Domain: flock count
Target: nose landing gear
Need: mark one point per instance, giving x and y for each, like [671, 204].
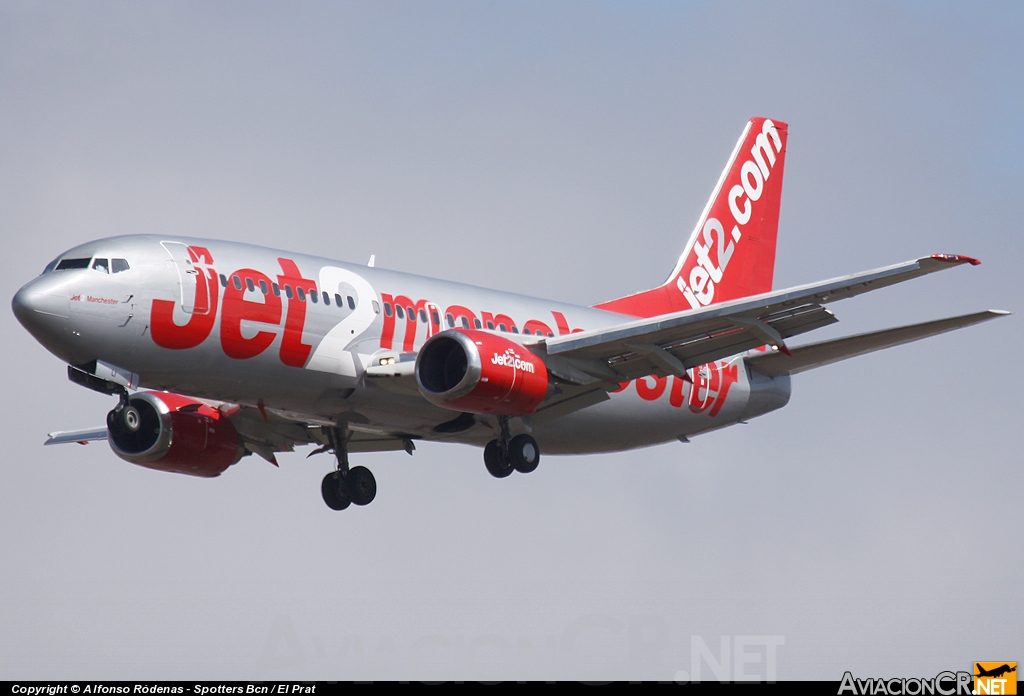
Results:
[345, 486]
[507, 454]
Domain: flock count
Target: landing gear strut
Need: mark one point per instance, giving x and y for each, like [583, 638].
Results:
[345, 486]
[507, 454]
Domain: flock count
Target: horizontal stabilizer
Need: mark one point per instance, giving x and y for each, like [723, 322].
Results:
[819, 354]
[81, 436]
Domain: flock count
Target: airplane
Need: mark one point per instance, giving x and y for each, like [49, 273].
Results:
[218, 350]
[995, 672]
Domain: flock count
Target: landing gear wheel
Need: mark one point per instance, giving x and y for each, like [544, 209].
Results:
[523, 453]
[495, 463]
[334, 491]
[361, 485]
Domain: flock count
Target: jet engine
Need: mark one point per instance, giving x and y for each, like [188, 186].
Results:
[478, 372]
[169, 432]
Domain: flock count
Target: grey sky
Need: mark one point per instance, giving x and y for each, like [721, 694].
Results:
[562, 150]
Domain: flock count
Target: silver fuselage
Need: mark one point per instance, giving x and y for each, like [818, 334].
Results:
[307, 360]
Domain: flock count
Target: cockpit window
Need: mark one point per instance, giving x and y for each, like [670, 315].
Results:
[50, 266]
[101, 265]
[118, 265]
[72, 264]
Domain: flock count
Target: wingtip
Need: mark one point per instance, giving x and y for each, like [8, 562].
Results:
[956, 258]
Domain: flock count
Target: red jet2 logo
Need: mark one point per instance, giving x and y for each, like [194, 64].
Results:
[706, 390]
[700, 269]
[234, 309]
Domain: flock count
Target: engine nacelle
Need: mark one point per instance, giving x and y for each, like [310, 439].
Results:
[174, 433]
[478, 372]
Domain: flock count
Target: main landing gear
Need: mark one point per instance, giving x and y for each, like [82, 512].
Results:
[345, 486]
[508, 454]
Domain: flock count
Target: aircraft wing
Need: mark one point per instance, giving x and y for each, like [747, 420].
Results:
[819, 354]
[673, 343]
[80, 436]
[267, 432]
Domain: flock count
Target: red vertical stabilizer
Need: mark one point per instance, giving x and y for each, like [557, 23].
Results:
[731, 253]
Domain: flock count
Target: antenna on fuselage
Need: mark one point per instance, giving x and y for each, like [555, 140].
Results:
[373, 259]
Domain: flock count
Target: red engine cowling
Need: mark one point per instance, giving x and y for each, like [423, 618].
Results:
[479, 372]
[174, 433]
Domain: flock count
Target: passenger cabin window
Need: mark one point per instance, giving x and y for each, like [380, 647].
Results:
[478, 325]
[337, 300]
[263, 287]
[237, 282]
[276, 288]
[327, 299]
[376, 307]
[249, 284]
[387, 309]
[302, 293]
[101, 265]
[223, 280]
[352, 304]
[451, 321]
[465, 322]
[120, 266]
[399, 311]
[288, 291]
[72, 264]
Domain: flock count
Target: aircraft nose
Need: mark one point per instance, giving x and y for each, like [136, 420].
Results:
[21, 305]
[44, 314]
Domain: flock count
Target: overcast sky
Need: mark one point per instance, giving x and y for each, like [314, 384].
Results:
[563, 150]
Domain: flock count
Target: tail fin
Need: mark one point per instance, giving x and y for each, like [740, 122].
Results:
[731, 253]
